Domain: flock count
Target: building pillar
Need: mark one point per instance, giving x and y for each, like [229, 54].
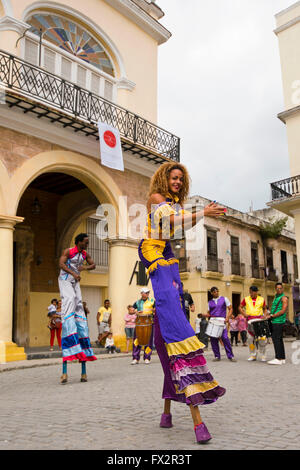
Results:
[8, 350]
[123, 288]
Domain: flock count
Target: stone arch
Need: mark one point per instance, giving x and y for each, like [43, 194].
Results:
[90, 25]
[86, 169]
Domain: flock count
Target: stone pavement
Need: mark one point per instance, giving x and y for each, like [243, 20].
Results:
[120, 406]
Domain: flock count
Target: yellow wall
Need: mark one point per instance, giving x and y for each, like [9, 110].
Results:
[137, 49]
[39, 333]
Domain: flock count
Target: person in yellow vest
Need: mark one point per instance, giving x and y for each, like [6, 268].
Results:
[254, 306]
[104, 321]
[144, 305]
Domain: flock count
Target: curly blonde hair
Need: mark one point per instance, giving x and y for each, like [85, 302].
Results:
[160, 181]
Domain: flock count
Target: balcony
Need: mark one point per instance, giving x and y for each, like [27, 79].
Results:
[286, 188]
[34, 90]
[215, 264]
[257, 272]
[271, 274]
[286, 195]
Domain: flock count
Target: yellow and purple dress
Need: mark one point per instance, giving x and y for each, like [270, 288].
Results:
[187, 378]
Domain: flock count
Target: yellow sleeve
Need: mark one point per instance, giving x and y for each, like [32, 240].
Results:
[164, 210]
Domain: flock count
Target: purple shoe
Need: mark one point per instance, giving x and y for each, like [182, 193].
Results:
[166, 421]
[202, 434]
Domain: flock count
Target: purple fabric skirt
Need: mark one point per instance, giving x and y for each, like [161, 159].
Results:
[187, 378]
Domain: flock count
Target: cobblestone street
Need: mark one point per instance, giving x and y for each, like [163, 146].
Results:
[120, 406]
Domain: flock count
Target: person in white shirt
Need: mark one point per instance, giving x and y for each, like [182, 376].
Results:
[220, 307]
[110, 344]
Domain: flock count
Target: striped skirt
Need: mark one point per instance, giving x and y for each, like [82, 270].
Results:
[75, 341]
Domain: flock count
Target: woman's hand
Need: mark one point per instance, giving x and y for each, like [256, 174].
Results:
[214, 210]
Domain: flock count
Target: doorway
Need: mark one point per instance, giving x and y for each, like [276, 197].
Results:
[236, 300]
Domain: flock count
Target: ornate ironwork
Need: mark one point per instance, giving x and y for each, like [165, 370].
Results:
[286, 188]
[48, 89]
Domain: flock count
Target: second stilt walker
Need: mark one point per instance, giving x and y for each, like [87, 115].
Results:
[75, 343]
[187, 378]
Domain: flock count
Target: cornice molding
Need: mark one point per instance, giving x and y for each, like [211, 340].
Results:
[284, 115]
[142, 19]
[287, 25]
[125, 84]
[8, 23]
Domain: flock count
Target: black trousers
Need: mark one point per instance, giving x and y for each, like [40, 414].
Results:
[234, 336]
[277, 338]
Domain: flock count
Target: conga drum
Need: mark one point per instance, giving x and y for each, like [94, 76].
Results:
[143, 328]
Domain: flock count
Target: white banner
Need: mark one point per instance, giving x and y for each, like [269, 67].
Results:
[110, 146]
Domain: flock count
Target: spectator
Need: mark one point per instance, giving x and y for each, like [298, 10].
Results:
[55, 324]
[188, 303]
[110, 344]
[86, 310]
[130, 319]
[242, 326]
[52, 307]
[104, 321]
[201, 325]
[278, 318]
[234, 329]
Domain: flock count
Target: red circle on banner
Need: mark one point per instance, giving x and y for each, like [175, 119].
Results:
[110, 139]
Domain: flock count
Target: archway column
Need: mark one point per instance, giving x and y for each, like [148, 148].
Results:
[123, 255]
[8, 350]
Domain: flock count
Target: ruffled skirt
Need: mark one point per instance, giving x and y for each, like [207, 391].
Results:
[187, 378]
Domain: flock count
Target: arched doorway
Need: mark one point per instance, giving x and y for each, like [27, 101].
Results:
[54, 206]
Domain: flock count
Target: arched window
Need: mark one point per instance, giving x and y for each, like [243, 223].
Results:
[70, 51]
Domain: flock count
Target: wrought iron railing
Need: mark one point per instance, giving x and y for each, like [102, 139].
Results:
[257, 272]
[44, 87]
[288, 187]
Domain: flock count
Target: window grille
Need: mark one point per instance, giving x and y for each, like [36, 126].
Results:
[98, 248]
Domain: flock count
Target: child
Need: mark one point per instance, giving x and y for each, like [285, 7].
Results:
[110, 344]
[233, 328]
[51, 311]
[242, 326]
[130, 319]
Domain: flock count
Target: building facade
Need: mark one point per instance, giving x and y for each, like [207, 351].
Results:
[232, 255]
[286, 192]
[63, 67]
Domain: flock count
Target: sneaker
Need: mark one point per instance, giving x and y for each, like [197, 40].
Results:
[166, 420]
[202, 434]
[147, 361]
[232, 359]
[252, 358]
[275, 362]
[263, 359]
[134, 362]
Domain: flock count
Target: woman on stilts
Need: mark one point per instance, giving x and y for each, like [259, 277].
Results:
[75, 341]
[187, 378]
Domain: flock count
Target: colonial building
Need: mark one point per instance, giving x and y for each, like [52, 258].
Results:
[232, 254]
[286, 192]
[63, 67]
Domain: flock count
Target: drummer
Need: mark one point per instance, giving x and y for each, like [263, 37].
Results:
[220, 307]
[253, 307]
[144, 305]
